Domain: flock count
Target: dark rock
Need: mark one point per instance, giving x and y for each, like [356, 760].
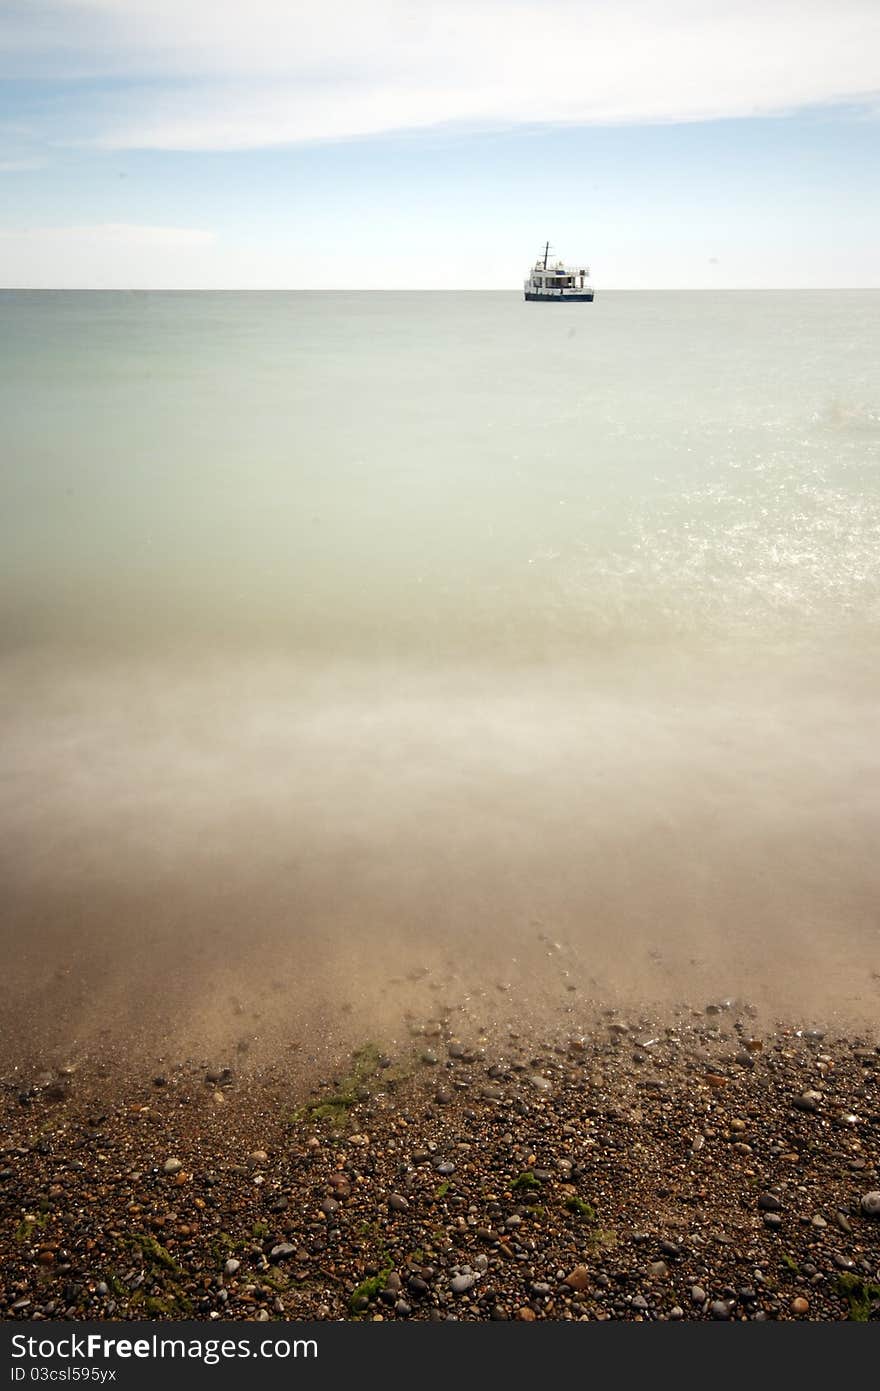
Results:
[807, 1101]
[768, 1202]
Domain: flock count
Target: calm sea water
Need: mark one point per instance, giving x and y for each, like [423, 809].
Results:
[439, 473]
[343, 633]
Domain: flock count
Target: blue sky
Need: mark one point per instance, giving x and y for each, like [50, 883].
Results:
[437, 146]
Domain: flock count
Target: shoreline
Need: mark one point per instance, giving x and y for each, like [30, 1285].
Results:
[692, 1166]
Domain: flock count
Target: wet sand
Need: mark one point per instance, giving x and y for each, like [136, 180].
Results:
[605, 926]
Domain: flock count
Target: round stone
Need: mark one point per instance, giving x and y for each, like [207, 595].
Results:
[871, 1204]
[808, 1101]
[768, 1202]
[172, 1166]
[460, 1284]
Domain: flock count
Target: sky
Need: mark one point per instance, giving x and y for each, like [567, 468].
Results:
[379, 144]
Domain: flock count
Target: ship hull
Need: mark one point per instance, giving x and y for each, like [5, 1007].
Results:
[585, 298]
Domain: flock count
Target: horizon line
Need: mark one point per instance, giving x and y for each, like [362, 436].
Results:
[420, 289]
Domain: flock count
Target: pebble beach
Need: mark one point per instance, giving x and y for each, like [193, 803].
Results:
[696, 1165]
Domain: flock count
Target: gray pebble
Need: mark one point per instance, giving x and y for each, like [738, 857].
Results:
[460, 1284]
[871, 1204]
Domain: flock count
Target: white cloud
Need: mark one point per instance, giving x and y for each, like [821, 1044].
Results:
[273, 72]
[108, 255]
[20, 166]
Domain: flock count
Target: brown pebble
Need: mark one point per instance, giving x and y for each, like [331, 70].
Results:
[526, 1314]
[800, 1305]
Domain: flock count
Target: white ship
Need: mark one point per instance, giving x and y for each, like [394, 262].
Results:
[558, 284]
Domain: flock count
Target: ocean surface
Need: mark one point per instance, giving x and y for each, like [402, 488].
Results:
[347, 639]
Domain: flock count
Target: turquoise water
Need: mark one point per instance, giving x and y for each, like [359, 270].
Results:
[343, 635]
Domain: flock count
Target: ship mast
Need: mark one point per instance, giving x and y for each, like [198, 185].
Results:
[546, 254]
